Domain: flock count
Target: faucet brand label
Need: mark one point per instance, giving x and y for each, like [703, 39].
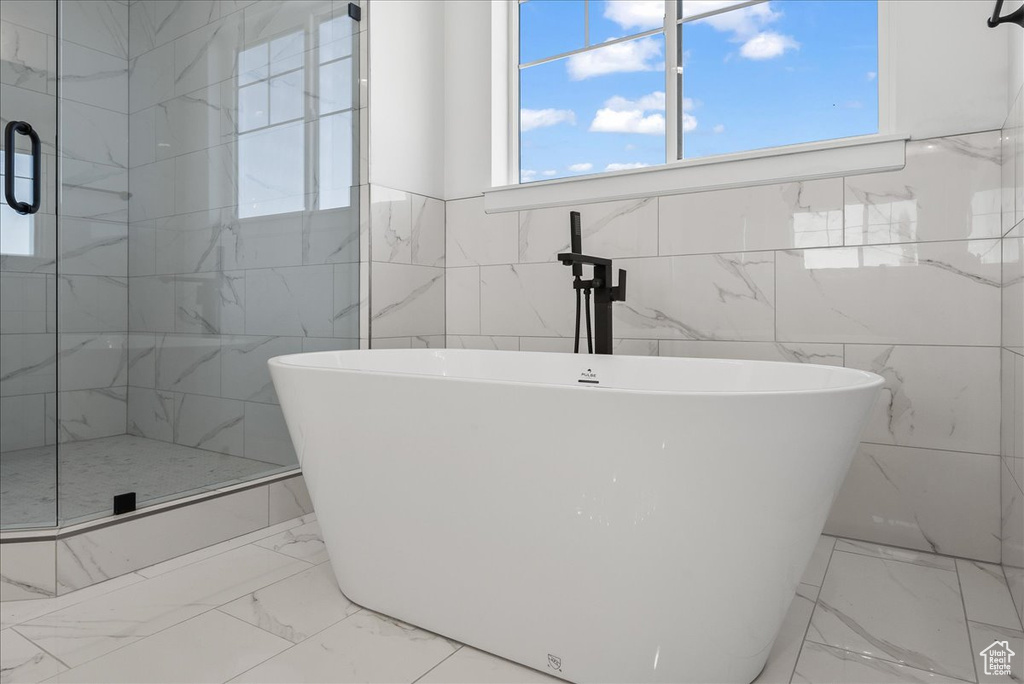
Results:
[589, 377]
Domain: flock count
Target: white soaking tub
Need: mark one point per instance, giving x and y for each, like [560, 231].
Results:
[598, 518]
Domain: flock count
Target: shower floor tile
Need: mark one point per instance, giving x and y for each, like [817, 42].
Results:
[93, 471]
[247, 611]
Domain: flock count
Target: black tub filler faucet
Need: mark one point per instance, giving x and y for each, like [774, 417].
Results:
[600, 283]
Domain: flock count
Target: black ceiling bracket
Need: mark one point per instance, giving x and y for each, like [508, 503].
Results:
[355, 12]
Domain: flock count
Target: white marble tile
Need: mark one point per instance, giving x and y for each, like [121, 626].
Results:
[197, 242]
[158, 22]
[28, 364]
[218, 647]
[27, 570]
[709, 297]
[93, 360]
[470, 666]
[23, 422]
[151, 413]
[266, 435]
[207, 55]
[263, 242]
[948, 190]
[205, 117]
[787, 216]
[390, 225]
[365, 647]
[210, 303]
[314, 344]
[407, 300]
[140, 610]
[635, 347]
[107, 552]
[462, 300]
[986, 594]
[99, 24]
[814, 574]
[331, 236]
[93, 303]
[826, 354]
[609, 229]
[906, 613]
[207, 552]
[297, 607]
[929, 560]
[23, 302]
[96, 191]
[350, 299]
[527, 299]
[244, 373]
[94, 247]
[92, 413]
[152, 192]
[94, 78]
[270, 18]
[826, 665]
[481, 342]
[188, 363]
[786, 648]
[93, 134]
[1008, 142]
[934, 397]
[289, 499]
[426, 342]
[23, 661]
[983, 636]
[473, 237]
[151, 305]
[142, 148]
[427, 231]
[558, 345]
[303, 542]
[864, 294]
[38, 16]
[210, 423]
[16, 612]
[937, 501]
[290, 301]
[27, 57]
[207, 179]
[1012, 525]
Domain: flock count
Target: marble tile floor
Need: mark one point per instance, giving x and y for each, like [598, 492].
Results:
[93, 471]
[265, 607]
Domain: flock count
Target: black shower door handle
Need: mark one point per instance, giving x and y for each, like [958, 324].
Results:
[23, 128]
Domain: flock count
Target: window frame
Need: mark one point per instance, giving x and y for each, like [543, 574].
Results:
[673, 140]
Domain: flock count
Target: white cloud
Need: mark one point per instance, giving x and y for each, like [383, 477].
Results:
[743, 23]
[689, 122]
[628, 121]
[719, 128]
[768, 45]
[630, 147]
[527, 175]
[872, 75]
[550, 172]
[636, 14]
[530, 119]
[580, 168]
[654, 101]
[624, 167]
[632, 55]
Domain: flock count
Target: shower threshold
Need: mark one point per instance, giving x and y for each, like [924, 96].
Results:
[91, 472]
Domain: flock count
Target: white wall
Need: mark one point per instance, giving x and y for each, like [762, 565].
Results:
[949, 77]
[407, 96]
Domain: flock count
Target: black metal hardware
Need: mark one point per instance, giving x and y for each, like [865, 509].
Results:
[124, 503]
[23, 128]
[1015, 17]
[355, 12]
[604, 292]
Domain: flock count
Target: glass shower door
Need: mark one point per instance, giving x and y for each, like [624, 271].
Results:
[28, 265]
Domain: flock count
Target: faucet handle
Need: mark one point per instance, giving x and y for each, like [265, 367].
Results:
[619, 291]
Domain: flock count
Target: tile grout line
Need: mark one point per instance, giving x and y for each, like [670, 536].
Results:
[461, 646]
[893, 662]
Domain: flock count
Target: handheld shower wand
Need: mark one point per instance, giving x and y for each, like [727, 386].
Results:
[576, 246]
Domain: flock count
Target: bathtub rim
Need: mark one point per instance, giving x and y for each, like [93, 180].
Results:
[869, 380]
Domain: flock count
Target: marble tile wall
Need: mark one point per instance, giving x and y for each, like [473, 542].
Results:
[243, 244]
[90, 293]
[898, 273]
[1012, 352]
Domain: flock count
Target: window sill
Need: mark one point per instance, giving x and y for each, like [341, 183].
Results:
[809, 161]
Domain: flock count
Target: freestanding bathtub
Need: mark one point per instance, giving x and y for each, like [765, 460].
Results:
[599, 518]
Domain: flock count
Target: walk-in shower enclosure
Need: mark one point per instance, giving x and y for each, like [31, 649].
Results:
[198, 214]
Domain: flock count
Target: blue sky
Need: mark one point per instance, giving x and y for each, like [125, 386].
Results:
[777, 73]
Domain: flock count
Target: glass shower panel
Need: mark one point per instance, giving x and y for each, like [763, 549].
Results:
[28, 270]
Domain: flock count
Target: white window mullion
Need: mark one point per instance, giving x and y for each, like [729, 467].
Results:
[513, 96]
[673, 142]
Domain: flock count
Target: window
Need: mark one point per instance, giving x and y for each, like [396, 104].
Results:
[17, 238]
[607, 85]
[293, 99]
